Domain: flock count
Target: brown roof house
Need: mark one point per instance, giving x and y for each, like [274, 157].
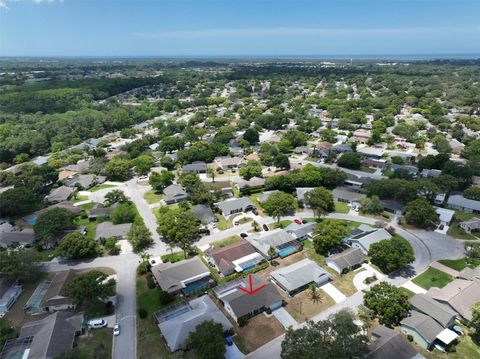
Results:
[54, 300]
[60, 194]
[188, 276]
[241, 304]
[47, 338]
[233, 258]
[349, 259]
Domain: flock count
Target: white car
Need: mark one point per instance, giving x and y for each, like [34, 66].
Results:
[116, 329]
[97, 323]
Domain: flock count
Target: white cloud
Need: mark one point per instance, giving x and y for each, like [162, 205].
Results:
[4, 3]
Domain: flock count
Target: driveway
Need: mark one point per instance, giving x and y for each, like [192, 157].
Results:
[333, 292]
[233, 352]
[413, 287]
[285, 318]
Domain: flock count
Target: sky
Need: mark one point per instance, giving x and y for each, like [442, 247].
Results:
[238, 28]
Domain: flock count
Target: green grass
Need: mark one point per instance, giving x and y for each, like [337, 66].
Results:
[459, 264]
[281, 224]
[173, 257]
[407, 292]
[341, 207]
[98, 345]
[222, 223]
[367, 169]
[90, 225]
[79, 198]
[227, 241]
[87, 206]
[432, 278]
[4, 335]
[464, 216]
[311, 254]
[44, 255]
[152, 196]
[457, 232]
[98, 187]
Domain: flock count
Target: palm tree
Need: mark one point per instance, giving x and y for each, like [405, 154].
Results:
[212, 172]
[271, 253]
[145, 256]
[315, 295]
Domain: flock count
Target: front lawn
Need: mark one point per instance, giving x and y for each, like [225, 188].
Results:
[98, 187]
[407, 292]
[96, 344]
[302, 307]
[227, 241]
[432, 278]
[367, 169]
[259, 331]
[79, 198]
[459, 264]
[457, 232]
[345, 282]
[464, 216]
[281, 224]
[341, 207]
[152, 196]
[222, 223]
[173, 257]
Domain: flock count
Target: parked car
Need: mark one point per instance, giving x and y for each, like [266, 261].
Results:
[265, 227]
[237, 222]
[457, 330]
[243, 235]
[304, 221]
[229, 340]
[97, 324]
[297, 221]
[116, 329]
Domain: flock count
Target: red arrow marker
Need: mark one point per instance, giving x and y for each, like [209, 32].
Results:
[251, 290]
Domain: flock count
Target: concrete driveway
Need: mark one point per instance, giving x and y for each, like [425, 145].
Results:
[333, 292]
[285, 318]
[233, 352]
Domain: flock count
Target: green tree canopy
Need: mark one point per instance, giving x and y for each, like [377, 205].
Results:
[387, 302]
[207, 341]
[89, 287]
[352, 160]
[51, 222]
[251, 169]
[118, 169]
[320, 200]
[22, 264]
[328, 234]
[161, 180]
[76, 246]
[279, 204]
[391, 254]
[421, 213]
[178, 226]
[139, 237]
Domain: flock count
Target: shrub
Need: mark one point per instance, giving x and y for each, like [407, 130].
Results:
[410, 337]
[143, 268]
[142, 313]
[242, 321]
[165, 297]
[150, 281]
[268, 311]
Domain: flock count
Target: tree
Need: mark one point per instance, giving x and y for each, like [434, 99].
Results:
[51, 222]
[123, 213]
[76, 246]
[328, 234]
[320, 200]
[207, 341]
[167, 162]
[352, 160]
[161, 180]
[90, 287]
[171, 143]
[139, 237]
[336, 337]
[391, 254]
[190, 181]
[279, 204]
[295, 138]
[251, 136]
[421, 213]
[472, 193]
[281, 161]
[271, 252]
[143, 164]
[118, 169]
[212, 172]
[251, 169]
[115, 196]
[371, 205]
[17, 201]
[22, 264]
[366, 315]
[315, 295]
[111, 246]
[178, 226]
[475, 321]
[388, 303]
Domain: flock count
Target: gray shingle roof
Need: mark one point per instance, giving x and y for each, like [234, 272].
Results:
[390, 344]
[300, 230]
[264, 240]
[348, 258]
[425, 326]
[233, 204]
[174, 192]
[458, 200]
[299, 274]
[60, 194]
[108, 229]
[440, 312]
[203, 214]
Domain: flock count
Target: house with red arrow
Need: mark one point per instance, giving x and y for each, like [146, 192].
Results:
[247, 297]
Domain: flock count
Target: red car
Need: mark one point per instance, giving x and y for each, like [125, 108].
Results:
[297, 221]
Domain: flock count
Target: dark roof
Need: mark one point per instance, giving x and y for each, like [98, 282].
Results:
[203, 214]
[224, 256]
[348, 258]
[392, 205]
[390, 344]
[26, 236]
[195, 167]
[54, 296]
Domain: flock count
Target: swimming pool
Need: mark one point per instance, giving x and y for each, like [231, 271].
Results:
[177, 313]
[32, 219]
[286, 251]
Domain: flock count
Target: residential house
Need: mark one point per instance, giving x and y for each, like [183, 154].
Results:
[301, 150]
[426, 332]
[234, 258]
[470, 273]
[10, 290]
[195, 167]
[393, 206]
[430, 173]
[265, 195]
[472, 225]
[346, 260]
[108, 229]
[69, 206]
[188, 276]
[54, 300]
[342, 148]
[204, 214]
[60, 194]
[441, 313]
[228, 163]
[301, 231]
[239, 303]
[445, 216]
[254, 182]
[47, 338]
[356, 182]
[364, 236]
[174, 194]
[12, 237]
[84, 182]
[371, 152]
[99, 210]
[412, 170]
[235, 205]
[298, 276]
[280, 240]
[82, 166]
[65, 175]
[300, 191]
[179, 320]
[457, 201]
[224, 186]
[346, 195]
[375, 163]
[388, 343]
[459, 294]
